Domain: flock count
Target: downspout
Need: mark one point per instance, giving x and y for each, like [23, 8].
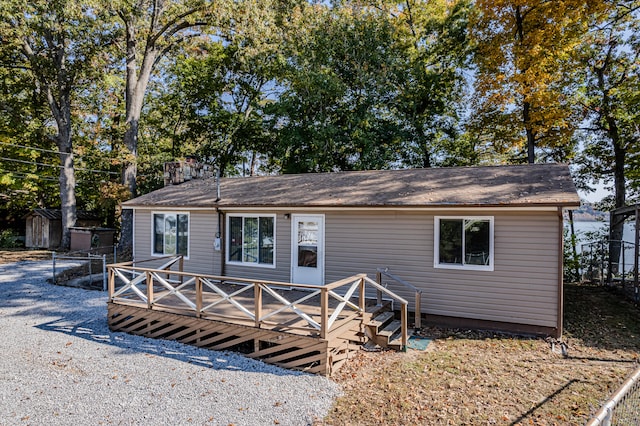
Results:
[560, 310]
[219, 235]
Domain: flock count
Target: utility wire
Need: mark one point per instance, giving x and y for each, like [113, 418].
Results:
[36, 149]
[33, 176]
[25, 176]
[78, 169]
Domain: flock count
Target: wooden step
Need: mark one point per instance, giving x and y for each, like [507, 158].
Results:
[395, 341]
[390, 329]
[379, 321]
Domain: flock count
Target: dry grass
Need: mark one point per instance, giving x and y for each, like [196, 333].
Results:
[17, 255]
[475, 378]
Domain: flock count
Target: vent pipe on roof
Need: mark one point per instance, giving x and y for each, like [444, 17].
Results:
[217, 184]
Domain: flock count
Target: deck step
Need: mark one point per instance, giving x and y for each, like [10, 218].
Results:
[395, 341]
[376, 309]
[390, 329]
[379, 321]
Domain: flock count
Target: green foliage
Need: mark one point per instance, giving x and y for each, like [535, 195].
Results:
[571, 262]
[610, 101]
[10, 239]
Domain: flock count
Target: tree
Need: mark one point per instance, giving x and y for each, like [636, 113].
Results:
[55, 42]
[434, 39]
[610, 102]
[337, 109]
[218, 89]
[525, 78]
[152, 28]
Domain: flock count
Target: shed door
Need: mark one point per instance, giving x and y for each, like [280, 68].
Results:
[307, 249]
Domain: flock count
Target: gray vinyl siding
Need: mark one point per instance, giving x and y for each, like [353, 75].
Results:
[282, 270]
[522, 288]
[202, 230]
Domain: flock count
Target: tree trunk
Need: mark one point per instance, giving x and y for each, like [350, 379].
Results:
[616, 227]
[526, 105]
[62, 115]
[531, 137]
[67, 187]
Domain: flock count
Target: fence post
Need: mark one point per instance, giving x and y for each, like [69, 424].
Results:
[324, 312]
[104, 272]
[198, 297]
[149, 289]
[90, 272]
[403, 320]
[378, 292]
[112, 283]
[418, 314]
[53, 258]
[257, 300]
[361, 297]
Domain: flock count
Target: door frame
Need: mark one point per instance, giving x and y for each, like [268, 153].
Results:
[295, 218]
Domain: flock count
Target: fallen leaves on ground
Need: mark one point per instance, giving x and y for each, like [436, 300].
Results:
[471, 378]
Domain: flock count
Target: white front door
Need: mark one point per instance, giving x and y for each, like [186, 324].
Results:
[307, 249]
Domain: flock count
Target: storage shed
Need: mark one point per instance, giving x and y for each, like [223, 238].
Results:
[44, 227]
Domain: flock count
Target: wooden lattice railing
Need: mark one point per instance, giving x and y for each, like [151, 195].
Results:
[316, 311]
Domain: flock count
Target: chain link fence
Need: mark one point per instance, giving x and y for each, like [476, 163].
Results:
[623, 408]
[91, 268]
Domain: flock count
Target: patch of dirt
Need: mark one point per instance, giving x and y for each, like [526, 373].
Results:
[11, 256]
[476, 378]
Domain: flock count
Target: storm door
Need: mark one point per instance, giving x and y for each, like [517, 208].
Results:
[307, 249]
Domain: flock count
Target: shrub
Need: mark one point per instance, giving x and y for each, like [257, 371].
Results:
[9, 239]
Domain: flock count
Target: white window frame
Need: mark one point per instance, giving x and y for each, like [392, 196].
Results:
[228, 240]
[466, 267]
[153, 234]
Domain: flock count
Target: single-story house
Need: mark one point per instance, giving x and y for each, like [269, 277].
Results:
[44, 227]
[483, 243]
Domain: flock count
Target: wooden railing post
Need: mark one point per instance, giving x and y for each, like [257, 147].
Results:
[418, 320]
[324, 313]
[149, 289]
[361, 297]
[111, 283]
[257, 310]
[198, 297]
[378, 292]
[403, 321]
[181, 268]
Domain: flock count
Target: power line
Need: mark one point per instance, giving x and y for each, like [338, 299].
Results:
[25, 176]
[51, 165]
[36, 149]
[78, 169]
[32, 176]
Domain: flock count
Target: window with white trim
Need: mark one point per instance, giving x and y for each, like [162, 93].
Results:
[251, 240]
[171, 234]
[463, 243]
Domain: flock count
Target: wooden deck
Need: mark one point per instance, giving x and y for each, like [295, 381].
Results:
[304, 327]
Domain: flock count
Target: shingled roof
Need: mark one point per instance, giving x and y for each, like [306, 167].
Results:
[521, 185]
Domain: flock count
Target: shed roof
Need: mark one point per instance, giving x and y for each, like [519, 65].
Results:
[521, 185]
[53, 214]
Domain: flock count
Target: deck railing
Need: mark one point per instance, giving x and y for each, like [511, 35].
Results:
[416, 291]
[317, 310]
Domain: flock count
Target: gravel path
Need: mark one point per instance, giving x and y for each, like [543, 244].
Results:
[60, 365]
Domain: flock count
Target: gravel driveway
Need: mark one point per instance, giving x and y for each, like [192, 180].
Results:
[60, 365]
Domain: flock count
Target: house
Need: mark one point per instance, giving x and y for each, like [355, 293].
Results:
[484, 244]
[44, 227]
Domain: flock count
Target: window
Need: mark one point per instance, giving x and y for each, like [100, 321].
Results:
[171, 234]
[464, 243]
[251, 240]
